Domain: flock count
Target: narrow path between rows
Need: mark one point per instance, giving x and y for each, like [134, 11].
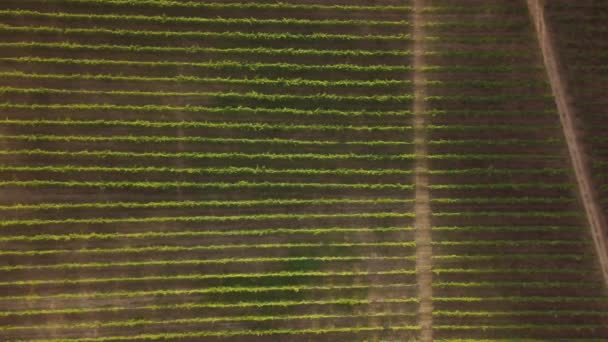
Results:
[595, 216]
[422, 206]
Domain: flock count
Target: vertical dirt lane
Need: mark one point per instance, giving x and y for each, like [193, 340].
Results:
[422, 207]
[596, 219]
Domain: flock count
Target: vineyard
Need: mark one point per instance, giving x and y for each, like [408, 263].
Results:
[307, 170]
[582, 53]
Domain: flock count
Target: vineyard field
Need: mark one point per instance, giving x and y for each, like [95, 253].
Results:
[306, 170]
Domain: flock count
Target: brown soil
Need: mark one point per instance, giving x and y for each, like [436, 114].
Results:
[588, 194]
[422, 207]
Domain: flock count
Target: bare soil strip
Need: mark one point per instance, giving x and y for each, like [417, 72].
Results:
[593, 210]
[422, 206]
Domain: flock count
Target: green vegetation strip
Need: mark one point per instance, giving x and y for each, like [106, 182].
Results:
[194, 50]
[517, 284]
[226, 171]
[216, 319]
[233, 333]
[499, 200]
[298, 156]
[198, 262]
[164, 139]
[184, 219]
[224, 36]
[255, 21]
[309, 202]
[188, 5]
[259, 126]
[525, 299]
[505, 186]
[161, 139]
[490, 113]
[501, 171]
[258, 81]
[201, 233]
[539, 228]
[526, 213]
[568, 339]
[489, 98]
[208, 155]
[162, 248]
[287, 22]
[519, 313]
[252, 95]
[251, 126]
[512, 243]
[172, 185]
[535, 327]
[236, 66]
[212, 305]
[486, 84]
[277, 82]
[447, 7]
[198, 276]
[224, 66]
[495, 127]
[262, 170]
[250, 111]
[473, 40]
[296, 274]
[267, 51]
[217, 21]
[257, 36]
[228, 111]
[512, 270]
[277, 202]
[501, 142]
[511, 257]
[208, 290]
[204, 204]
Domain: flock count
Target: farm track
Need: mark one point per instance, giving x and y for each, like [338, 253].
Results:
[307, 170]
[572, 107]
[422, 208]
[453, 298]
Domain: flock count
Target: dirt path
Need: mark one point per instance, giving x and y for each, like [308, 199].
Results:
[594, 213]
[422, 207]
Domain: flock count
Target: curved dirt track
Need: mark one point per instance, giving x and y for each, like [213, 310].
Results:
[594, 213]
